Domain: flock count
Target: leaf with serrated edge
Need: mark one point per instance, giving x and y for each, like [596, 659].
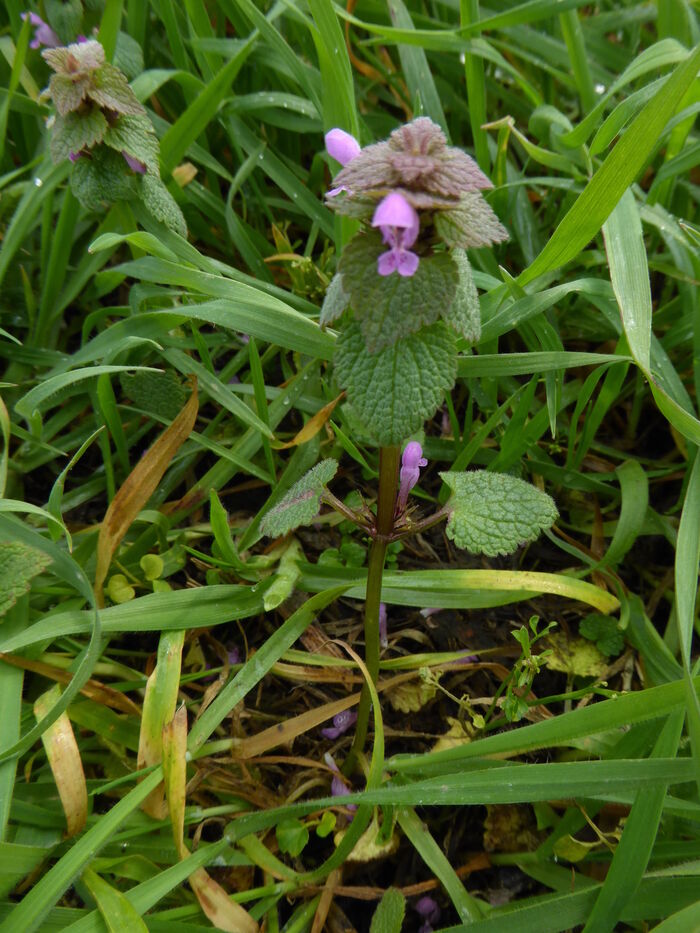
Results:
[76, 131]
[472, 224]
[162, 204]
[134, 133]
[395, 391]
[103, 178]
[390, 307]
[335, 302]
[301, 504]
[67, 93]
[18, 565]
[109, 88]
[464, 314]
[78, 58]
[493, 513]
[388, 917]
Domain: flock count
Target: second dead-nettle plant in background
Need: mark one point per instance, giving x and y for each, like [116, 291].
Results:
[103, 129]
[402, 299]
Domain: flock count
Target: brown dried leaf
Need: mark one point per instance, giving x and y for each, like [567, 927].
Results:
[138, 488]
[312, 426]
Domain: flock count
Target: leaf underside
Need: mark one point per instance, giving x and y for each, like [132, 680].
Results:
[301, 504]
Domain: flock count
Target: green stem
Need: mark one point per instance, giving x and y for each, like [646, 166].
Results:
[386, 503]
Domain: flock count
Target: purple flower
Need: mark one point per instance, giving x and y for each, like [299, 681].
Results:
[342, 147]
[411, 462]
[74, 156]
[429, 910]
[233, 655]
[43, 33]
[338, 786]
[341, 724]
[430, 611]
[399, 224]
[383, 636]
[136, 165]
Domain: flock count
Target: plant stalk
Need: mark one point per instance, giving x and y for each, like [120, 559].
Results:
[386, 504]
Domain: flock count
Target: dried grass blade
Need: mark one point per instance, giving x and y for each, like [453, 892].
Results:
[64, 760]
[138, 488]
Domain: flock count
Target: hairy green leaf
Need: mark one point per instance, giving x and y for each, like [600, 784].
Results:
[19, 563]
[604, 632]
[301, 504]
[67, 93]
[76, 131]
[161, 393]
[464, 314]
[103, 178]
[134, 133]
[396, 390]
[109, 88]
[493, 513]
[335, 302]
[162, 204]
[388, 917]
[472, 224]
[390, 307]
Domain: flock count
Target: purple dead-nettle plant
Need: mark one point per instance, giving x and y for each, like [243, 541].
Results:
[103, 129]
[404, 304]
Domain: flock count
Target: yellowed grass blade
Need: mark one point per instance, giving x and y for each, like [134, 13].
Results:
[158, 709]
[224, 913]
[138, 488]
[64, 760]
[312, 426]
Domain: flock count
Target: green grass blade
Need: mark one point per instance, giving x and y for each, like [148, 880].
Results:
[466, 906]
[633, 851]
[417, 70]
[619, 170]
[629, 275]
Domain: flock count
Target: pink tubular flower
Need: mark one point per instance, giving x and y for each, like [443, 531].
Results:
[341, 724]
[338, 786]
[43, 33]
[136, 165]
[342, 146]
[399, 225]
[411, 462]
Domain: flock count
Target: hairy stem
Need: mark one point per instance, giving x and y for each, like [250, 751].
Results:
[386, 503]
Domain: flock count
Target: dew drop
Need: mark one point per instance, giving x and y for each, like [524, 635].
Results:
[600, 89]
[38, 182]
